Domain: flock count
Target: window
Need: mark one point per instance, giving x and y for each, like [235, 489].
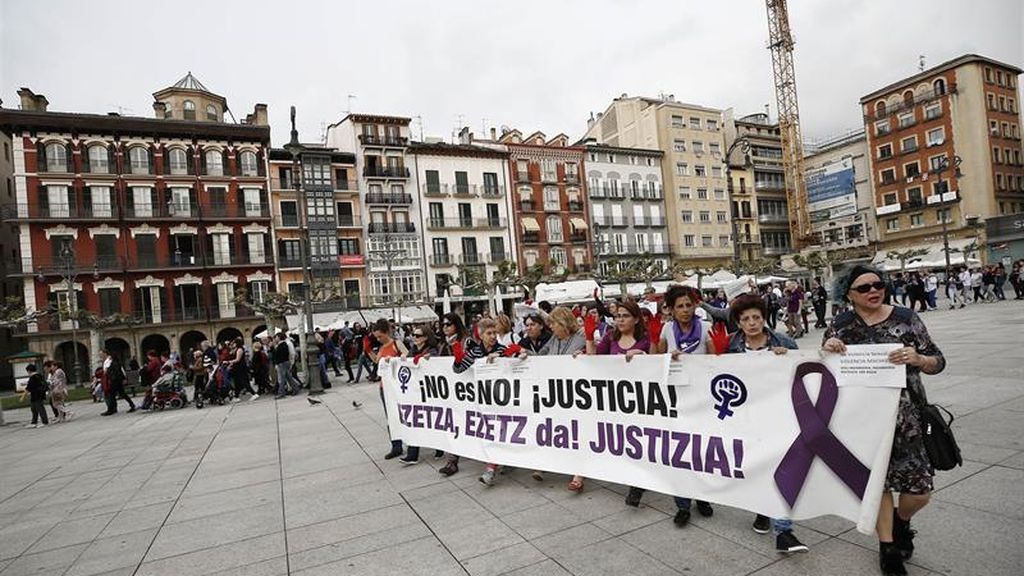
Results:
[558, 258]
[551, 200]
[700, 170]
[98, 160]
[943, 215]
[211, 112]
[719, 194]
[705, 217]
[712, 124]
[684, 192]
[247, 161]
[679, 145]
[880, 109]
[110, 301]
[888, 176]
[715, 148]
[908, 144]
[1002, 103]
[991, 98]
[916, 220]
[939, 86]
[934, 163]
[936, 137]
[177, 161]
[189, 108]
[641, 243]
[705, 241]
[911, 170]
[723, 240]
[682, 169]
[906, 119]
[881, 127]
[289, 213]
[933, 110]
[214, 163]
[914, 196]
[548, 170]
[688, 240]
[999, 181]
[694, 123]
[988, 75]
[677, 122]
[687, 216]
[716, 171]
[721, 217]
[554, 227]
[892, 225]
[702, 193]
[56, 158]
[698, 147]
[139, 157]
[889, 199]
[995, 155]
[885, 151]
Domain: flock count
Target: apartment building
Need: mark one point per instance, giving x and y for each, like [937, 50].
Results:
[837, 168]
[965, 110]
[627, 204]
[157, 219]
[465, 217]
[691, 140]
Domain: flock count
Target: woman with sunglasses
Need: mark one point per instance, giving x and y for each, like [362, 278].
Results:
[910, 473]
[749, 312]
[454, 338]
[488, 347]
[424, 345]
[685, 334]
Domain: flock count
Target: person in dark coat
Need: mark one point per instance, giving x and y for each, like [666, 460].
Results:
[36, 391]
[113, 383]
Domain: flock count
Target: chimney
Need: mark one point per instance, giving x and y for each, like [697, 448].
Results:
[160, 109]
[259, 115]
[494, 134]
[31, 101]
[464, 136]
[590, 121]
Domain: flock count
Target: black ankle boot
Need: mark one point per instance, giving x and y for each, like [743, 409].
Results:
[889, 560]
[902, 535]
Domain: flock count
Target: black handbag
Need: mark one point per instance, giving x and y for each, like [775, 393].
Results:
[939, 442]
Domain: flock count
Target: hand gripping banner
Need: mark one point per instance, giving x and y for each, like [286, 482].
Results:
[793, 436]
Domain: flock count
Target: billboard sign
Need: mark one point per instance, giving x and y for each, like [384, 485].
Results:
[831, 192]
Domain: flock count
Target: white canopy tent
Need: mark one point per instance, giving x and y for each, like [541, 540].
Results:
[935, 258]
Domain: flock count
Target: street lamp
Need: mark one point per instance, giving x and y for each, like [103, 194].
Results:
[311, 357]
[69, 275]
[943, 165]
[744, 145]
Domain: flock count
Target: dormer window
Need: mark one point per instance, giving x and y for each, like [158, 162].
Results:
[189, 108]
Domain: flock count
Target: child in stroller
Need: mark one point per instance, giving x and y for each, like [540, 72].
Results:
[169, 389]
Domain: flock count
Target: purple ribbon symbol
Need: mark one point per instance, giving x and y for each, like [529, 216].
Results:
[816, 439]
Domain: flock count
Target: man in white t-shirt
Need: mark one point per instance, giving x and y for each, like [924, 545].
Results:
[931, 286]
[965, 286]
[976, 282]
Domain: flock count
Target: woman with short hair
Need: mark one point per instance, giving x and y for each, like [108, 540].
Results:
[910, 472]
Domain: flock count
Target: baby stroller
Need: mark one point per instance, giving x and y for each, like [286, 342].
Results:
[169, 390]
[218, 388]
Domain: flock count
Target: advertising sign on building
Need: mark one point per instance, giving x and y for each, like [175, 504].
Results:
[831, 192]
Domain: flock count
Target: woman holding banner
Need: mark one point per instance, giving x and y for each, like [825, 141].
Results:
[749, 312]
[455, 338]
[424, 345]
[685, 334]
[910, 473]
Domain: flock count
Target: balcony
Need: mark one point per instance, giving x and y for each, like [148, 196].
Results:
[531, 237]
[465, 223]
[598, 192]
[391, 227]
[770, 218]
[471, 259]
[578, 237]
[575, 206]
[442, 260]
[289, 262]
[775, 250]
[225, 210]
[388, 198]
[346, 185]
[572, 179]
[349, 222]
[49, 265]
[434, 190]
[550, 177]
[22, 211]
[464, 190]
[498, 257]
[770, 187]
[487, 191]
[386, 172]
[552, 206]
[523, 176]
[526, 205]
[377, 140]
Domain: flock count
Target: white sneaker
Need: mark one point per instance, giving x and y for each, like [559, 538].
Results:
[487, 477]
[235, 400]
[31, 425]
[253, 397]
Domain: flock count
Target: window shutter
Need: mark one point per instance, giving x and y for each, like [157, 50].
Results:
[209, 247]
[193, 202]
[111, 160]
[238, 163]
[40, 157]
[87, 200]
[245, 248]
[261, 170]
[84, 156]
[72, 204]
[167, 160]
[154, 202]
[70, 158]
[129, 196]
[268, 248]
[163, 302]
[190, 160]
[224, 166]
[202, 157]
[44, 199]
[152, 160]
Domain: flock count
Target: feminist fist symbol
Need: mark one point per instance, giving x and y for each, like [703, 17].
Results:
[730, 392]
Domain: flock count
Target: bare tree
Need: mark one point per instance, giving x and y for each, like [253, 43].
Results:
[905, 256]
[275, 307]
[14, 313]
[682, 269]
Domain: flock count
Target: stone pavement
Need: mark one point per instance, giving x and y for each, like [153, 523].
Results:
[268, 488]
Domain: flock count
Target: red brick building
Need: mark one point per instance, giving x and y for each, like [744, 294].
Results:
[163, 218]
[549, 203]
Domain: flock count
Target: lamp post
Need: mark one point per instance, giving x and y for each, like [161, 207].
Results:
[311, 356]
[744, 146]
[943, 165]
[69, 275]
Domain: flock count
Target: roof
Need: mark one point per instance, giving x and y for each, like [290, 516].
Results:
[190, 82]
[337, 156]
[591, 146]
[948, 65]
[444, 149]
[26, 354]
[377, 119]
[77, 123]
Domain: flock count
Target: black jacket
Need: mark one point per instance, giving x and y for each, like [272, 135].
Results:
[281, 355]
[37, 387]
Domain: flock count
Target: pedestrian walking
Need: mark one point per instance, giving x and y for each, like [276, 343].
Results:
[114, 377]
[58, 384]
[36, 389]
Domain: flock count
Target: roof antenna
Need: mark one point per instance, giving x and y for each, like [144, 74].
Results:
[351, 97]
[419, 121]
[920, 63]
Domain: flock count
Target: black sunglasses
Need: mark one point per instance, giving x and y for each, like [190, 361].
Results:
[865, 288]
[418, 335]
[446, 323]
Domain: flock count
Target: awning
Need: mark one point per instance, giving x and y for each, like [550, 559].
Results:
[934, 258]
[530, 225]
[578, 223]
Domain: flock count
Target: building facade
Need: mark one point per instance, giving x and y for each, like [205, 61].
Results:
[966, 108]
[158, 221]
[333, 211]
[10, 259]
[393, 245]
[627, 204]
[551, 217]
[465, 214]
[691, 140]
[856, 231]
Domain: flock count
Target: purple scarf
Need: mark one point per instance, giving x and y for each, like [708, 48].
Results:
[688, 342]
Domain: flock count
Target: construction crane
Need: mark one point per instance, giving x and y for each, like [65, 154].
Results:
[780, 42]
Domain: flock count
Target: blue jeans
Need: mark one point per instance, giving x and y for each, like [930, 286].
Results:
[780, 525]
[285, 379]
[371, 369]
[930, 297]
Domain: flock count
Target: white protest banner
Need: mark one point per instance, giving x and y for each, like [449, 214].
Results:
[791, 436]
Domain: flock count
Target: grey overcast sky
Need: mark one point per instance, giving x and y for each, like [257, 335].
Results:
[529, 64]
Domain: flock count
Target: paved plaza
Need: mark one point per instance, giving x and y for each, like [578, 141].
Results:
[268, 487]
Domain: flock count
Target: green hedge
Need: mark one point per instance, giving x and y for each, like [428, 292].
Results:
[14, 402]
